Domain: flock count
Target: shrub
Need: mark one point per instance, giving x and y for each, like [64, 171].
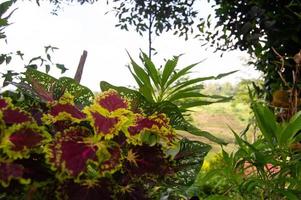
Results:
[61, 142]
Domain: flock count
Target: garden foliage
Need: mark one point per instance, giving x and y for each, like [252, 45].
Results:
[62, 142]
[269, 168]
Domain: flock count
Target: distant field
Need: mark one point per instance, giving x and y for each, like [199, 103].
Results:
[217, 118]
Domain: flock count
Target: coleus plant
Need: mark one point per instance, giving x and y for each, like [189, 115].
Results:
[64, 145]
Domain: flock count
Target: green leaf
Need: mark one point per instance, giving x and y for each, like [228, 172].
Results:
[197, 80]
[194, 88]
[180, 74]
[62, 68]
[141, 76]
[34, 59]
[140, 73]
[194, 103]
[8, 59]
[43, 79]
[146, 93]
[225, 74]
[3, 22]
[140, 84]
[47, 68]
[151, 69]
[8, 77]
[188, 163]
[290, 195]
[83, 96]
[149, 138]
[168, 69]
[266, 122]
[181, 95]
[2, 58]
[48, 57]
[290, 130]
[260, 158]
[4, 7]
[19, 53]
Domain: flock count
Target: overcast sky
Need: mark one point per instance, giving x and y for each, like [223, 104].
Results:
[86, 27]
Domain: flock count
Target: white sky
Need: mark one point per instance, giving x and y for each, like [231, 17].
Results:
[85, 27]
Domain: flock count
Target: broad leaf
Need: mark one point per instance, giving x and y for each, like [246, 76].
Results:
[44, 80]
[83, 96]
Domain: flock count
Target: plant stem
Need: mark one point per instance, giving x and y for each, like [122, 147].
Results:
[150, 26]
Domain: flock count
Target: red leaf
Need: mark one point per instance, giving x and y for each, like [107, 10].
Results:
[3, 103]
[69, 151]
[104, 125]
[10, 171]
[112, 101]
[114, 161]
[67, 108]
[25, 138]
[15, 116]
[140, 124]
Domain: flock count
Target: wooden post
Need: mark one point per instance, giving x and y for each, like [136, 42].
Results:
[80, 68]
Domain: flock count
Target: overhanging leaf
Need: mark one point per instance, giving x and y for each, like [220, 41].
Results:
[83, 96]
[194, 103]
[41, 78]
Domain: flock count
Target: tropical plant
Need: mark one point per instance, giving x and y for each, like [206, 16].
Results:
[171, 84]
[269, 168]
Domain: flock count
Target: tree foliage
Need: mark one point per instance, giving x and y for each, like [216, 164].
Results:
[258, 26]
[156, 16]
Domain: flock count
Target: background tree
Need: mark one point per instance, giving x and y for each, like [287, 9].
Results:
[258, 26]
[156, 16]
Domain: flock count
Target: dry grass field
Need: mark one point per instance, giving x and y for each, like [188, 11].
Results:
[216, 119]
